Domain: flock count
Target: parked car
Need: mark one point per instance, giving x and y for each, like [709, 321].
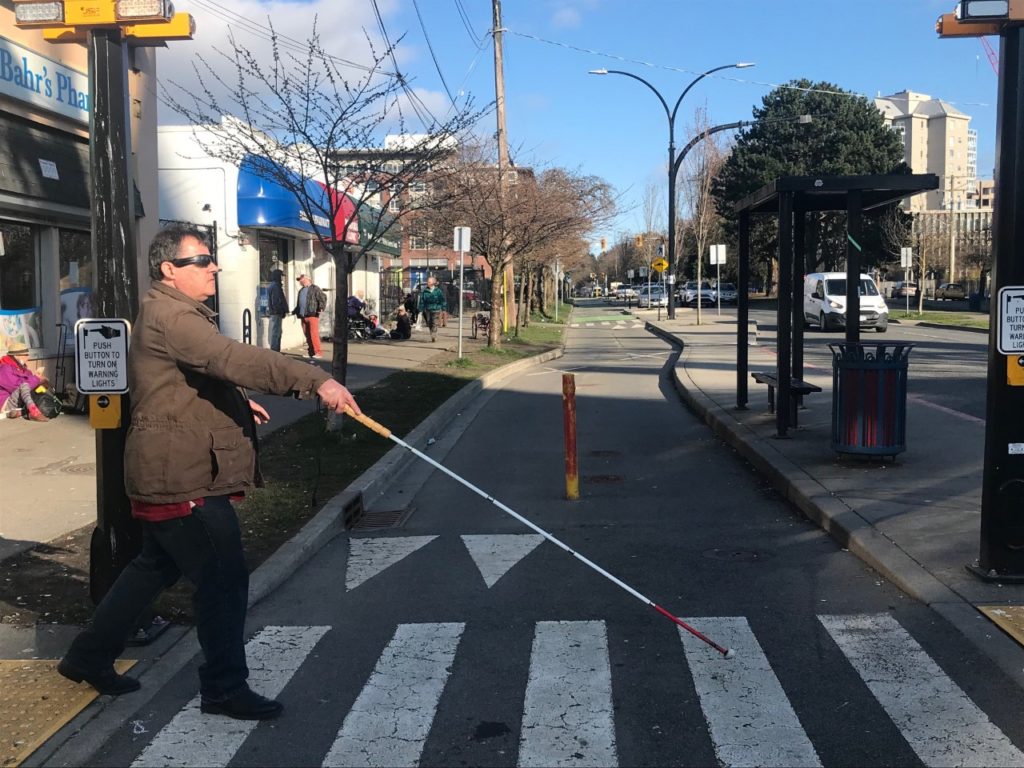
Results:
[625, 292]
[904, 290]
[950, 291]
[656, 297]
[727, 292]
[688, 293]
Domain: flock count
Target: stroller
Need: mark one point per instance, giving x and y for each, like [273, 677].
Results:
[358, 329]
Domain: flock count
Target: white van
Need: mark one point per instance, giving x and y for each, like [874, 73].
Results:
[825, 302]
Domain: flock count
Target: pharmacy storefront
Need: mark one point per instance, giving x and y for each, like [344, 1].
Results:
[45, 261]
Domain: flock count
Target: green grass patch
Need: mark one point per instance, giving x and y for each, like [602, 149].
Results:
[963, 319]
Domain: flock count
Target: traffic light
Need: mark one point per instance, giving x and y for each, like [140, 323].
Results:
[603, 244]
[639, 241]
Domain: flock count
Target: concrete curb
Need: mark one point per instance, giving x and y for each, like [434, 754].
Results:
[926, 324]
[813, 499]
[106, 715]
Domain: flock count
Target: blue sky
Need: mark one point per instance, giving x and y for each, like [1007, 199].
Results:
[613, 127]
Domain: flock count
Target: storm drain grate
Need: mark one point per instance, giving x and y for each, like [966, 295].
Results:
[79, 469]
[381, 519]
[602, 479]
[605, 454]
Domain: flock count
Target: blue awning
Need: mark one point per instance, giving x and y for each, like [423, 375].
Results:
[265, 203]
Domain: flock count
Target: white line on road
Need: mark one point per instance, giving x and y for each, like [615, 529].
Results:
[195, 739]
[943, 409]
[567, 713]
[556, 370]
[750, 720]
[941, 724]
[390, 720]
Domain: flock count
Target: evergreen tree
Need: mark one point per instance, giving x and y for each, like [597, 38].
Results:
[847, 137]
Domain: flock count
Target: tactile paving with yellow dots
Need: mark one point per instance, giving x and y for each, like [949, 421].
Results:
[35, 702]
[1009, 618]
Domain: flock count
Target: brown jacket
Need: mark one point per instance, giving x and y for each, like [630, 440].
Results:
[192, 433]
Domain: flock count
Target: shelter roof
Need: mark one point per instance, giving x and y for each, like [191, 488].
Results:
[830, 193]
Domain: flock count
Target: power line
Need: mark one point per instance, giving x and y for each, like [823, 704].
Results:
[651, 65]
[477, 40]
[267, 33]
[430, 48]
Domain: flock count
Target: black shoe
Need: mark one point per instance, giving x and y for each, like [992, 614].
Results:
[245, 705]
[108, 682]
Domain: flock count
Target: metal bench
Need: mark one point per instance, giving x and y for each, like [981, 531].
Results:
[797, 387]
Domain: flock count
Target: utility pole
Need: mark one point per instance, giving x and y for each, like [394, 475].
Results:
[502, 137]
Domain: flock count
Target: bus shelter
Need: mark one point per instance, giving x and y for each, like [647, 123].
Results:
[791, 198]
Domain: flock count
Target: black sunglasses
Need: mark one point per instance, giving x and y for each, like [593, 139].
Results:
[202, 260]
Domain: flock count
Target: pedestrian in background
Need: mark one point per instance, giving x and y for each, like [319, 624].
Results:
[277, 308]
[190, 450]
[410, 305]
[432, 304]
[308, 306]
[403, 325]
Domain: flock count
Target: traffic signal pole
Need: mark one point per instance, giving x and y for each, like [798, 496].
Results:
[1001, 556]
[117, 536]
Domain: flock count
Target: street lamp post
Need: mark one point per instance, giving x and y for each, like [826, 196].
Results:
[673, 163]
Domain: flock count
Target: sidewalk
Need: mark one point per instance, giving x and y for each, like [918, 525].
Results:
[915, 520]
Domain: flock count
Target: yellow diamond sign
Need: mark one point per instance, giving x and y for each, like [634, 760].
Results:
[659, 265]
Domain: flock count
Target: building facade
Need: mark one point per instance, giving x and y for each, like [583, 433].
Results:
[952, 225]
[46, 263]
[260, 229]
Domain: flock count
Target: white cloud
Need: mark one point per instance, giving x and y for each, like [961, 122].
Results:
[342, 25]
[566, 17]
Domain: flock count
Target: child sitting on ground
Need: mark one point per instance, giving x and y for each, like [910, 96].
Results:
[16, 385]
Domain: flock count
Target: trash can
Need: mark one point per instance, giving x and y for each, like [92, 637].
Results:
[869, 398]
[974, 302]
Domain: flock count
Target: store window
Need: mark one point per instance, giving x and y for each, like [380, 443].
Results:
[273, 254]
[76, 272]
[19, 287]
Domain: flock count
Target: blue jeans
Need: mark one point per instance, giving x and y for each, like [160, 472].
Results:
[206, 547]
[274, 331]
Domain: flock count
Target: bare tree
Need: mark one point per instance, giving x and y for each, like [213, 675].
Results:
[297, 112]
[535, 213]
[700, 167]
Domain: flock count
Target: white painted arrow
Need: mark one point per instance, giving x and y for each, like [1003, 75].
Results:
[495, 555]
[368, 557]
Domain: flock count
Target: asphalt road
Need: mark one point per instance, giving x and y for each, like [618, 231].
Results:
[462, 638]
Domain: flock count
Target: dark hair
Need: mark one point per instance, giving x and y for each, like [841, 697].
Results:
[167, 242]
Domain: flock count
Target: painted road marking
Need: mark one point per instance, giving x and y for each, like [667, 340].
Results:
[495, 555]
[368, 557]
[749, 717]
[390, 720]
[195, 739]
[941, 724]
[567, 713]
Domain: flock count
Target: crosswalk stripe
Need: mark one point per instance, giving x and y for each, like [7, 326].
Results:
[390, 720]
[368, 557]
[941, 724]
[495, 555]
[195, 739]
[749, 717]
[567, 714]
